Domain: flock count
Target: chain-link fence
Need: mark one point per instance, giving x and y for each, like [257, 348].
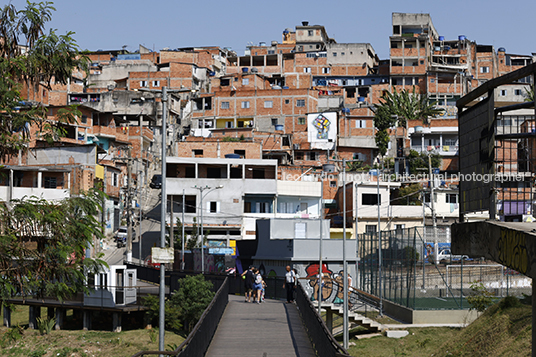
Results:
[407, 272]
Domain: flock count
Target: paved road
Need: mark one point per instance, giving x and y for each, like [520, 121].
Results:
[270, 329]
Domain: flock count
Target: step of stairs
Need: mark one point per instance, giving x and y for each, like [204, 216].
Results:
[354, 317]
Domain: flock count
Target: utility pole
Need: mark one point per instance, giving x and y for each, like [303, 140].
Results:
[139, 187]
[163, 202]
[182, 231]
[129, 207]
[432, 184]
[128, 203]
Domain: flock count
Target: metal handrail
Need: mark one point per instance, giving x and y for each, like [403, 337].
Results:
[221, 293]
[323, 341]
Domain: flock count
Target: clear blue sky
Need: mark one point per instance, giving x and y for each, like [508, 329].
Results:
[157, 24]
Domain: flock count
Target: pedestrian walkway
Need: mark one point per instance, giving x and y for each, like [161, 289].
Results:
[272, 328]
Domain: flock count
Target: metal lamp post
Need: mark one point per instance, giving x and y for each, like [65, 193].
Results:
[320, 272]
[163, 201]
[344, 262]
[378, 172]
[201, 196]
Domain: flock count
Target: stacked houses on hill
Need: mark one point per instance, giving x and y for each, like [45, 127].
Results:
[265, 126]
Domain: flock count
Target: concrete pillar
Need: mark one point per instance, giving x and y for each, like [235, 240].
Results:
[86, 320]
[116, 322]
[329, 320]
[533, 320]
[34, 312]
[50, 312]
[423, 145]
[60, 318]
[7, 316]
[77, 317]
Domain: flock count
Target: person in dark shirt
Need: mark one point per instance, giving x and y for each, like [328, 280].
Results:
[248, 282]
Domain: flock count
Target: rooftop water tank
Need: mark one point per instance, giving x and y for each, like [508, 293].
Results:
[305, 23]
[461, 37]
[232, 156]
[502, 49]
[441, 38]
[328, 168]
[279, 127]
[245, 70]
[361, 99]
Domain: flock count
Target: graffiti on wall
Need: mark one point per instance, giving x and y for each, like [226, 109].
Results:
[209, 262]
[332, 283]
[512, 250]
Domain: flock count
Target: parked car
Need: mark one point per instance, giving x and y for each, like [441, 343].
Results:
[156, 182]
[121, 236]
[446, 256]
[149, 262]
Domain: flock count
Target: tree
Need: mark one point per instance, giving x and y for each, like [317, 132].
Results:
[418, 161]
[192, 297]
[479, 298]
[194, 241]
[43, 245]
[529, 93]
[30, 59]
[408, 195]
[396, 109]
[184, 308]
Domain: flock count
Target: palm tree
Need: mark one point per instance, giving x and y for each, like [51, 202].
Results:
[407, 106]
[529, 93]
[397, 108]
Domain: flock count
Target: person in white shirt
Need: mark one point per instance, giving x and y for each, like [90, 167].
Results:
[290, 282]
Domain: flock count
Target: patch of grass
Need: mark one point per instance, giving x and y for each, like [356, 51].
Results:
[504, 329]
[78, 343]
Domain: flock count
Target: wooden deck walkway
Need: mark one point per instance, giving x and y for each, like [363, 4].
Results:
[272, 328]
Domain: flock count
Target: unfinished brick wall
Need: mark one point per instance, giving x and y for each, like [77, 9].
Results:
[218, 149]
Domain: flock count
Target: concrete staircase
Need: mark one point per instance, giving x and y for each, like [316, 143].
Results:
[353, 317]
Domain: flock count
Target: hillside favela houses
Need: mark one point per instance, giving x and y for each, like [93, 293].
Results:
[274, 149]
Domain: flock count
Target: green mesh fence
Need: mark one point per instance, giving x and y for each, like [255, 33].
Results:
[410, 276]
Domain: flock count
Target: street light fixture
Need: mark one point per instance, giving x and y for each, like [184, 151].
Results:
[163, 201]
[345, 263]
[201, 196]
[320, 272]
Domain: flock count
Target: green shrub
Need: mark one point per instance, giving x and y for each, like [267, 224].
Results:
[185, 306]
[509, 301]
[45, 326]
[192, 298]
[480, 298]
[38, 353]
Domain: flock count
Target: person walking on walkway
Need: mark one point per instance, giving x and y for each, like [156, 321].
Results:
[249, 276]
[257, 286]
[290, 281]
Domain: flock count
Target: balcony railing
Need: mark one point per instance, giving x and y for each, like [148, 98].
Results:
[437, 148]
